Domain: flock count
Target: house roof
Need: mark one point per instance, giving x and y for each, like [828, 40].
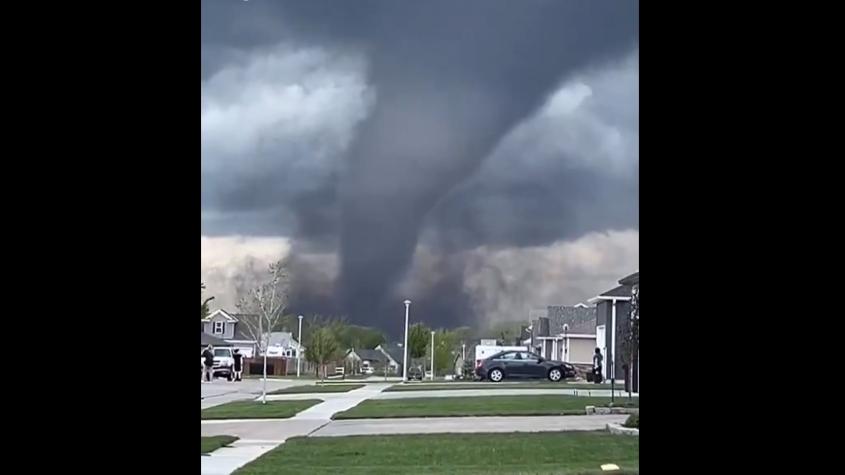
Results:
[241, 331]
[621, 291]
[580, 320]
[284, 339]
[229, 316]
[631, 279]
[395, 351]
[370, 355]
[207, 339]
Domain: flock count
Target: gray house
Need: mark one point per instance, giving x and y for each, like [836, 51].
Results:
[395, 354]
[361, 359]
[565, 333]
[612, 311]
[225, 326]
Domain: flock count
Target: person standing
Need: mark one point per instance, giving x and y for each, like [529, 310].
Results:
[208, 363]
[597, 365]
[238, 357]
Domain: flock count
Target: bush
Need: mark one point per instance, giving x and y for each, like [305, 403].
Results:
[633, 421]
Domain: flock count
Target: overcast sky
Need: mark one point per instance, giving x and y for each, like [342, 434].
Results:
[478, 157]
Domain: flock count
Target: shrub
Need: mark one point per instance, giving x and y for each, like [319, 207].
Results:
[633, 421]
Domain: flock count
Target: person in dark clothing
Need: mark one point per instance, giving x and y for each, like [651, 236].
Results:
[238, 357]
[597, 361]
[208, 363]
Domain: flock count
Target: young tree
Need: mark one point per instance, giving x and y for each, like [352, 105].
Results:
[419, 337]
[321, 347]
[205, 309]
[262, 309]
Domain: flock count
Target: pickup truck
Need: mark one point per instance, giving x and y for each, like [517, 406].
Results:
[223, 363]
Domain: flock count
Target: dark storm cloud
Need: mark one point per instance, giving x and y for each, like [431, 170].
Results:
[451, 79]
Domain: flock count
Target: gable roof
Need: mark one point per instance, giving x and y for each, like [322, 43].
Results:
[621, 291]
[580, 320]
[370, 355]
[631, 279]
[283, 339]
[229, 317]
[241, 331]
[207, 339]
[394, 350]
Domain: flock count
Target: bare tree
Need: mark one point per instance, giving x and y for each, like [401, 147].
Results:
[262, 308]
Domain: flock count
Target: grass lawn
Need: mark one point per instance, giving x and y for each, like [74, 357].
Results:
[210, 444]
[256, 410]
[536, 453]
[504, 385]
[475, 406]
[318, 388]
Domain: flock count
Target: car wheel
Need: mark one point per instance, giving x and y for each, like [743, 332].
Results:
[555, 374]
[496, 375]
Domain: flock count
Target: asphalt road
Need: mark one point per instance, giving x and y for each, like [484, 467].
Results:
[221, 391]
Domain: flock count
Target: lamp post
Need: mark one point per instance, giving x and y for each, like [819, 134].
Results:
[432, 355]
[405, 347]
[565, 342]
[299, 346]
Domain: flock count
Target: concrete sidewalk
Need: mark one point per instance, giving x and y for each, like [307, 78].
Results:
[499, 392]
[456, 393]
[435, 425]
[260, 436]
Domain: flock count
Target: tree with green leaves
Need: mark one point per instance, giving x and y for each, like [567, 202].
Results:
[419, 338]
[205, 308]
[321, 348]
[355, 336]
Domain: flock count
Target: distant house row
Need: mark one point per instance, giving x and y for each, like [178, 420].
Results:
[224, 329]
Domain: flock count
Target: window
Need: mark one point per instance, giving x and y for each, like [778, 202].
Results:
[507, 356]
[219, 327]
[529, 356]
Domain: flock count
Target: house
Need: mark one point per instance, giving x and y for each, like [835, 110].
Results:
[612, 309]
[362, 359]
[227, 327]
[565, 333]
[395, 354]
[283, 344]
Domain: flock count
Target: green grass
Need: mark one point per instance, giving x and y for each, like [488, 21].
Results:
[210, 444]
[512, 453]
[318, 388]
[256, 410]
[504, 385]
[475, 406]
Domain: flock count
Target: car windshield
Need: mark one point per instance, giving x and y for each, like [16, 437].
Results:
[222, 352]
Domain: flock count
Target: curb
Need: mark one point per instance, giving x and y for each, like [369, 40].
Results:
[622, 430]
[589, 410]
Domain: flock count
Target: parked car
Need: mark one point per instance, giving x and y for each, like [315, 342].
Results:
[415, 373]
[223, 363]
[522, 365]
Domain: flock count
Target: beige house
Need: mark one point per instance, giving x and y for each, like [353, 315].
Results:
[564, 333]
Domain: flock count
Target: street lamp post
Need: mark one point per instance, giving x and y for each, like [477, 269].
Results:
[405, 347]
[299, 346]
[565, 342]
[432, 355]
